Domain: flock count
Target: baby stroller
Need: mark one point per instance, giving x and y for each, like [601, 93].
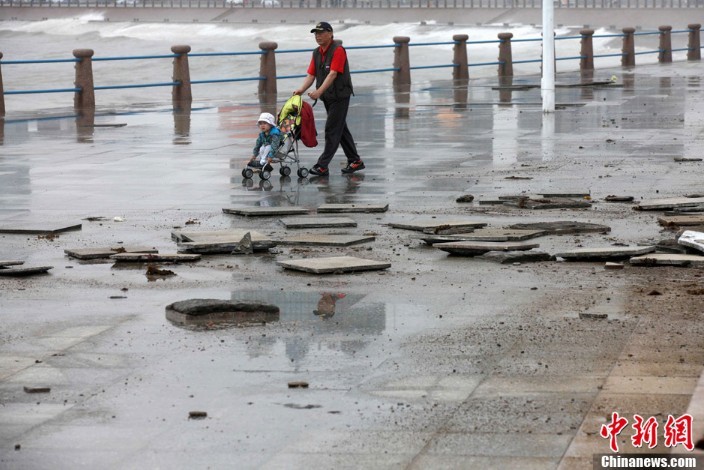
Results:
[290, 123]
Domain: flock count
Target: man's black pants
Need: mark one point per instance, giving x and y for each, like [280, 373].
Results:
[337, 133]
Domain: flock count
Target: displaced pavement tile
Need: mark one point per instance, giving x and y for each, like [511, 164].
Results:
[335, 264]
[318, 222]
[265, 211]
[438, 226]
[214, 311]
[668, 259]
[10, 262]
[485, 235]
[345, 208]
[692, 239]
[605, 253]
[669, 203]
[614, 198]
[326, 240]
[507, 257]
[565, 194]
[151, 257]
[25, 271]
[106, 252]
[552, 203]
[681, 220]
[479, 248]
[565, 227]
[37, 228]
[219, 241]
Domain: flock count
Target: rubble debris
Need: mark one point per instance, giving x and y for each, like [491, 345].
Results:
[469, 248]
[154, 257]
[10, 262]
[668, 259]
[24, 271]
[692, 239]
[211, 312]
[220, 241]
[30, 228]
[549, 203]
[438, 227]
[154, 271]
[614, 198]
[681, 220]
[352, 208]
[563, 227]
[296, 406]
[604, 253]
[613, 266]
[106, 252]
[687, 159]
[317, 222]
[29, 389]
[566, 194]
[265, 211]
[326, 240]
[245, 246]
[465, 198]
[298, 384]
[508, 257]
[333, 265]
[197, 415]
[669, 203]
[593, 316]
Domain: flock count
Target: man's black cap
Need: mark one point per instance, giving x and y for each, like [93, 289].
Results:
[322, 26]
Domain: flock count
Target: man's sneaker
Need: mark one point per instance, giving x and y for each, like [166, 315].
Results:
[268, 167]
[319, 171]
[354, 166]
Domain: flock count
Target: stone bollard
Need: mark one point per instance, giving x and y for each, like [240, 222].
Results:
[628, 59]
[2, 93]
[505, 56]
[85, 97]
[402, 76]
[460, 71]
[181, 93]
[694, 51]
[586, 61]
[267, 68]
[665, 54]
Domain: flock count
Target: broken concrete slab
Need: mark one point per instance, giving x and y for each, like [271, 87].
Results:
[435, 226]
[254, 211]
[219, 241]
[214, 311]
[604, 253]
[24, 271]
[613, 266]
[614, 198]
[155, 257]
[470, 248]
[507, 257]
[668, 259]
[326, 240]
[563, 227]
[487, 234]
[317, 222]
[565, 194]
[692, 239]
[681, 220]
[106, 252]
[334, 264]
[38, 228]
[551, 203]
[10, 262]
[352, 208]
[669, 203]
[687, 159]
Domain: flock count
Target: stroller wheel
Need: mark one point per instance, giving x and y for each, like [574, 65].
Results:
[265, 175]
[247, 173]
[302, 172]
[285, 171]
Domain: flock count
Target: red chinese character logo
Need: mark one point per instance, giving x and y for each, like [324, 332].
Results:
[646, 432]
[679, 431]
[613, 429]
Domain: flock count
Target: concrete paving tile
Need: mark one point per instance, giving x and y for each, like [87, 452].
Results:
[385, 442]
[475, 248]
[334, 264]
[522, 385]
[642, 404]
[499, 445]
[61, 459]
[648, 368]
[30, 414]
[38, 228]
[263, 211]
[604, 253]
[352, 208]
[668, 259]
[462, 462]
[317, 222]
[669, 203]
[381, 461]
[654, 385]
[326, 240]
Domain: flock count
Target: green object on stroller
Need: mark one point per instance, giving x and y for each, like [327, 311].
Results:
[289, 123]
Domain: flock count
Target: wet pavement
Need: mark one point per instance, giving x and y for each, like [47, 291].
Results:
[437, 362]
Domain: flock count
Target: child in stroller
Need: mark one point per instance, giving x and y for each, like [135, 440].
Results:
[280, 144]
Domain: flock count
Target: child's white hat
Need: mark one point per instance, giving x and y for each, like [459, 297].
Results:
[268, 118]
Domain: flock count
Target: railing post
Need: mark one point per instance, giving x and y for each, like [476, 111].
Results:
[85, 97]
[694, 46]
[402, 62]
[460, 71]
[2, 92]
[628, 59]
[665, 55]
[505, 56]
[267, 68]
[181, 74]
[586, 62]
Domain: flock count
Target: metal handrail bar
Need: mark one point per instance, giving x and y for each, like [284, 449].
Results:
[143, 85]
[28, 92]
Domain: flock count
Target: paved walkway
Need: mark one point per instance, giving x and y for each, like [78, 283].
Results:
[437, 362]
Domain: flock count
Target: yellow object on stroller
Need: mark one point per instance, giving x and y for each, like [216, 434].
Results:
[289, 123]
